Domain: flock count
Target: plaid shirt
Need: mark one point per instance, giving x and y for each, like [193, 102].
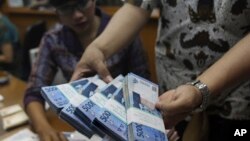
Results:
[60, 48]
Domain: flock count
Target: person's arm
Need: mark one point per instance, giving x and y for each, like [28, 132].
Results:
[7, 53]
[230, 70]
[122, 28]
[40, 123]
[42, 74]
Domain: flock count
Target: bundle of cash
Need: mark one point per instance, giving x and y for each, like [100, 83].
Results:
[112, 119]
[67, 113]
[89, 109]
[60, 95]
[143, 119]
[123, 109]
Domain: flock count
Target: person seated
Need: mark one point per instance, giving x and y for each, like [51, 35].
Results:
[8, 42]
[61, 47]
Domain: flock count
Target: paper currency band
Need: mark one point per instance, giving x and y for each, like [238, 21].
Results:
[148, 5]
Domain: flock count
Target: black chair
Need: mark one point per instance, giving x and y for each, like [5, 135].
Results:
[32, 39]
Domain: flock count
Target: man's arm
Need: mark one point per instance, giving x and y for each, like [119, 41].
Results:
[121, 30]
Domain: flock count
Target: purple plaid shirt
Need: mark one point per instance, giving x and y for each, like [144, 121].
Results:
[60, 48]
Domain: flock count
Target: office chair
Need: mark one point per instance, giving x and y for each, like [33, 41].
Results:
[32, 39]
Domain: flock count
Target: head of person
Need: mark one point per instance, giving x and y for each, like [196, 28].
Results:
[76, 14]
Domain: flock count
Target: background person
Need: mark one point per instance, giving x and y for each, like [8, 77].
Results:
[62, 47]
[8, 42]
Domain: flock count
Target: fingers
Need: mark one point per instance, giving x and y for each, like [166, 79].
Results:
[103, 71]
[51, 135]
[168, 103]
[62, 137]
[181, 100]
[78, 73]
[100, 67]
[172, 135]
[84, 70]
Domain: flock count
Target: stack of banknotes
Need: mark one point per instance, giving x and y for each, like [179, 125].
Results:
[123, 109]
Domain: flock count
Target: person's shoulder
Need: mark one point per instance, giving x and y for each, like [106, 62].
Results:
[55, 28]
[54, 31]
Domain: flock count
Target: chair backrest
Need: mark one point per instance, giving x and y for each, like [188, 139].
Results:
[58, 79]
[33, 55]
[32, 39]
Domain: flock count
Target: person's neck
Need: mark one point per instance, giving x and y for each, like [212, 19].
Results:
[91, 33]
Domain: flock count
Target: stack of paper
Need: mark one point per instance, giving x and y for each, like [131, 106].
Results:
[89, 109]
[23, 135]
[67, 113]
[59, 96]
[112, 119]
[13, 116]
[143, 120]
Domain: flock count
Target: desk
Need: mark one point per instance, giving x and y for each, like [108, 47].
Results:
[13, 94]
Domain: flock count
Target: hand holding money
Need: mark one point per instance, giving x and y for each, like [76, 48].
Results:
[176, 104]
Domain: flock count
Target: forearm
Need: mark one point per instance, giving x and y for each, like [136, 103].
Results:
[230, 70]
[122, 28]
[37, 115]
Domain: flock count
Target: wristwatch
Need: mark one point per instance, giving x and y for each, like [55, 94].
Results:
[204, 92]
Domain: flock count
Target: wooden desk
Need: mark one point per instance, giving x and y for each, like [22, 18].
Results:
[13, 94]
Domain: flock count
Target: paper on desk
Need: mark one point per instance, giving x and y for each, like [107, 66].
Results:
[10, 110]
[23, 135]
[14, 120]
[77, 136]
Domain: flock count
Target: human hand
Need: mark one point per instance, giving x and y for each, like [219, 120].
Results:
[176, 104]
[172, 134]
[47, 133]
[93, 59]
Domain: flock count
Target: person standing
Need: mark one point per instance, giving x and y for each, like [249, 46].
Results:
[192, 35]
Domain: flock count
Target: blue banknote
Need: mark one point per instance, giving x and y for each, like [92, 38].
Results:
[112, 119]
[89, 109]
[60, 95]
[84, 91]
